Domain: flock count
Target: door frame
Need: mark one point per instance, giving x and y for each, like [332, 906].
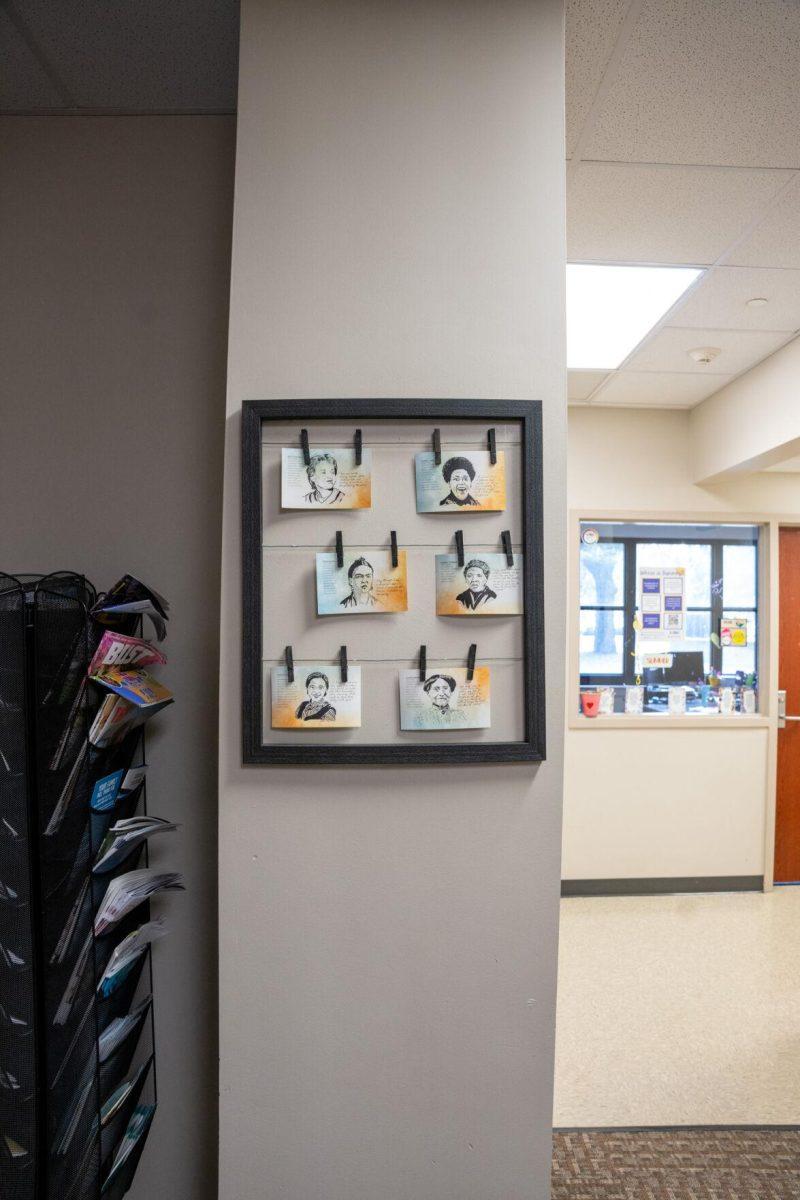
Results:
[776, 523]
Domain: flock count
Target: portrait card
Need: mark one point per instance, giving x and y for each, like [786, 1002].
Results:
[484, 587]
[318, 699]
[365, 583]
[332, 480]
[445, 699]
[465, 482]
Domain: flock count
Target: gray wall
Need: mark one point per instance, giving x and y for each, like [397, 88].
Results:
[388, 936]
[113, 326]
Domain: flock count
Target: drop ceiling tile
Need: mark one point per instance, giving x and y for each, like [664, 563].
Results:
[668, 350]
[776, 241]
[23, 83]
[659, 389]
[719, 301]
[148, 55]
[623, 212]
[591, 31]
[705, 81]
[581, 384]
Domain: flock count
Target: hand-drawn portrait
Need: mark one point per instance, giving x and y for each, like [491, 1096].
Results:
[465, 480]
[366, 582]
[494, 589]
[323, 480]
[459, 474]
[361, 577]
[477, 591]
[316, 706]
[445, 699]
[317, 697]
[331, 479]
[441, 690]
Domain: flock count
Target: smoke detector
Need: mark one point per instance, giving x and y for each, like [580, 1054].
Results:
[704, 354]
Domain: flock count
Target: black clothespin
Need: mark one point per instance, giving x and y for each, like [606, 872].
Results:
[289, 663]
[460, 547]
[471, 662]
[339, 549]
[343, 663]
[506, 537]
[492, 446]
[437, 447]
[304, 444]
[357, 442]
[423, 663]
[394, 547]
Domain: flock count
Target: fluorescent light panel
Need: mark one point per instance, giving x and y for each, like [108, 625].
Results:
[610, 309]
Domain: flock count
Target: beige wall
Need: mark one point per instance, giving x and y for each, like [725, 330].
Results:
[751, 423]
[674, 801]
[388, 936]
[115, 252]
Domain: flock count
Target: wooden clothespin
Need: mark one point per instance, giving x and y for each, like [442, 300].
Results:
[423, 663]
[357, 443]
[394, 547]
[460, 547]
[339, 549]
[506, 538]
[289, 663]
[437, 447]
[492, 446]
[304, 444]
[343, 663]
[471, 662]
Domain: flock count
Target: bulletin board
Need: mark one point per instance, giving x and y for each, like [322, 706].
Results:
[392, 572]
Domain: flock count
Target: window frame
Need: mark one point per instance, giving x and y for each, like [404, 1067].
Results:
[716, 607]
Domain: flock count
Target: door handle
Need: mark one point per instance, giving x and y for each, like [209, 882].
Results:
[783, 716]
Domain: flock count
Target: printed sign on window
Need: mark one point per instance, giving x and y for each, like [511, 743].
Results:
[661, 601]
[733, 631]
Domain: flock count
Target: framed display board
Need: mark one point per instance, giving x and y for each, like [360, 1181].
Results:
[392, 573]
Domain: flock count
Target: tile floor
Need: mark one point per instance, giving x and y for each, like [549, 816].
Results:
[679, 1010]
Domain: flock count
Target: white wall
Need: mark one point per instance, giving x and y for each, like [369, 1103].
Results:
[388, 936]
[673, 801]
[751, 423]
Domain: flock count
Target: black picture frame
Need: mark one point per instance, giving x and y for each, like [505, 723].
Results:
[528, 413]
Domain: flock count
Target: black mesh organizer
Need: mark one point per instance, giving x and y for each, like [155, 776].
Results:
[54, 1144]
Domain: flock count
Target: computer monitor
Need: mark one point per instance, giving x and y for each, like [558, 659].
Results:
[687, 667]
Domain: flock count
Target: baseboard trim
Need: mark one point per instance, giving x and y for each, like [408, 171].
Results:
[661, 887]
[672, 1128]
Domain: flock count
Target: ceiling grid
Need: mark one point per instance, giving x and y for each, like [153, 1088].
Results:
[682, 150]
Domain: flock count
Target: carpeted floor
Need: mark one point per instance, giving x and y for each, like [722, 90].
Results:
[677, 1164]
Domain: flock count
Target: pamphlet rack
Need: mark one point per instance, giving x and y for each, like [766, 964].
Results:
[53, 1142]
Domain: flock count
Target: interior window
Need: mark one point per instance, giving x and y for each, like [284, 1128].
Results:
[668, 617]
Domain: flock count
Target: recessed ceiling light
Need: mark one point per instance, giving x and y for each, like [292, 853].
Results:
[756, 302]
[704, 354]
[610, 309]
